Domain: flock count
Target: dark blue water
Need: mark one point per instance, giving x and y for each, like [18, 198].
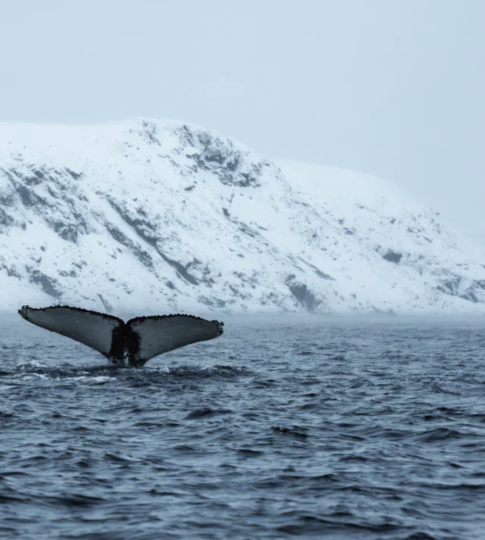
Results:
[328, 428]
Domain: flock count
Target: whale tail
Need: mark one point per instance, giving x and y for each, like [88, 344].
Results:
[132, 343]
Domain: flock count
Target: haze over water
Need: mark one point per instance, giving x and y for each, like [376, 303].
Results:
[358, 429]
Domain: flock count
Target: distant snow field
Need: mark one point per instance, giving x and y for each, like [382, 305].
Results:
[156, 217]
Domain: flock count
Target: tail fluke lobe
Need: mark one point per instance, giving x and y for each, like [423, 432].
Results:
[87, 327]
[132, 343]
[161, 334]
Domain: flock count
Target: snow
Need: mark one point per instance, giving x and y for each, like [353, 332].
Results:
[160, 216]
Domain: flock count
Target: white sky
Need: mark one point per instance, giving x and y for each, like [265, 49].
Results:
[390, 87]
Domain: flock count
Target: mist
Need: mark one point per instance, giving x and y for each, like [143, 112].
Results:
[391, 88]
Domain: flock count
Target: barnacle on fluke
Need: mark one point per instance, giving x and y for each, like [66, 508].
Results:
[124, 344]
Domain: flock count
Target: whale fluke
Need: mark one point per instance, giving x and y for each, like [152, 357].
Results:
[132, 343]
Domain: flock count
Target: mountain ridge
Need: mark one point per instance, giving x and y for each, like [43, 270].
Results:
[164, 216]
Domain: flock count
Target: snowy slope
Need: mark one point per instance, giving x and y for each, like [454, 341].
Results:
[156, 216]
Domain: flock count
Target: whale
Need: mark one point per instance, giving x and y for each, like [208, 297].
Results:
[125, 344]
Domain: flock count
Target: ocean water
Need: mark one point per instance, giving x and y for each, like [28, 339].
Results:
[312, 428]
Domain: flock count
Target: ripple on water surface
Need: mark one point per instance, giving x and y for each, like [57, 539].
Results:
[336, 429]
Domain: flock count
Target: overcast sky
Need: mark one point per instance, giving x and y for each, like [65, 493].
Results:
[390, 87]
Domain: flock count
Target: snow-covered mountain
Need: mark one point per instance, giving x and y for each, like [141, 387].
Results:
[155, 216]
